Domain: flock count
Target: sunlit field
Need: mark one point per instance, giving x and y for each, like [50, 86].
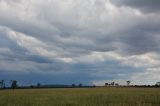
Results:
[81, 97]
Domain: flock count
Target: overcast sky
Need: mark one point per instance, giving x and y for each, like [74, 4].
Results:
[80, 41]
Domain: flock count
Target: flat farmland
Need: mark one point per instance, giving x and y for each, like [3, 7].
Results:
[81, 97]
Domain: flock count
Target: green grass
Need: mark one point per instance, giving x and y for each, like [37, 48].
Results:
[81, 97]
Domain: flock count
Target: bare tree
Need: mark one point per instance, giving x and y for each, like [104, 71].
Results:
[112, 84]
[13, 84]
[128, 83]
[73, 85]
[38, 85]
[80, 85]
[2, 84]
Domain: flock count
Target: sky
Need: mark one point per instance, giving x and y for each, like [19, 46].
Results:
[80, 41]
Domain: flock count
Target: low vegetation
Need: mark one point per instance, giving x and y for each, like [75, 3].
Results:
[81, 97]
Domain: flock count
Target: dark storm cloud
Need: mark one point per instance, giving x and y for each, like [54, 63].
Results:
[147, 6]
[77, 73]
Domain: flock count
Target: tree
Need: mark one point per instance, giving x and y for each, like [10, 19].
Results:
[128, 83]
[106, 84]
[94, 86]
[158, 84]
[13, 84]
[38, 85]
[116, 84]
[73, 85]
[80, 85]
[112, 84]
[31, 86]
[2, 84]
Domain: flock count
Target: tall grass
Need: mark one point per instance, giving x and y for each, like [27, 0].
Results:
[81, 97]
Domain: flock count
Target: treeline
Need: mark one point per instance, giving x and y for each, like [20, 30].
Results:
[128, 84]
[137, 86]
[14, 85]
[53, 86]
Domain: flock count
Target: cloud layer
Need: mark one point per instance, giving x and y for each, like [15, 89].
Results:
[96, 41]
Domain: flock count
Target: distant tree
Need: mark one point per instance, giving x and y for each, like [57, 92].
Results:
[112, 84]
[106, 84]
[31, 86]
[38, 85]
[73, 85]
[94, 86]
[116, 84]
[13, 84]
[157, 83]
[2, 84]
[128, 83]
[80, 85]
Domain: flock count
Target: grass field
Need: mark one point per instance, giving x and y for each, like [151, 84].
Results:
[81, 97]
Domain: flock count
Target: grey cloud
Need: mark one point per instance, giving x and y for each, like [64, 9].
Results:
[13, 52]
[146, 6]
[51, 31]
[76, 36]
[141, 38]
[141, 43]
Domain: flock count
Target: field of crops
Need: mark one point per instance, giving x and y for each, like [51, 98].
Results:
[81, 97]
